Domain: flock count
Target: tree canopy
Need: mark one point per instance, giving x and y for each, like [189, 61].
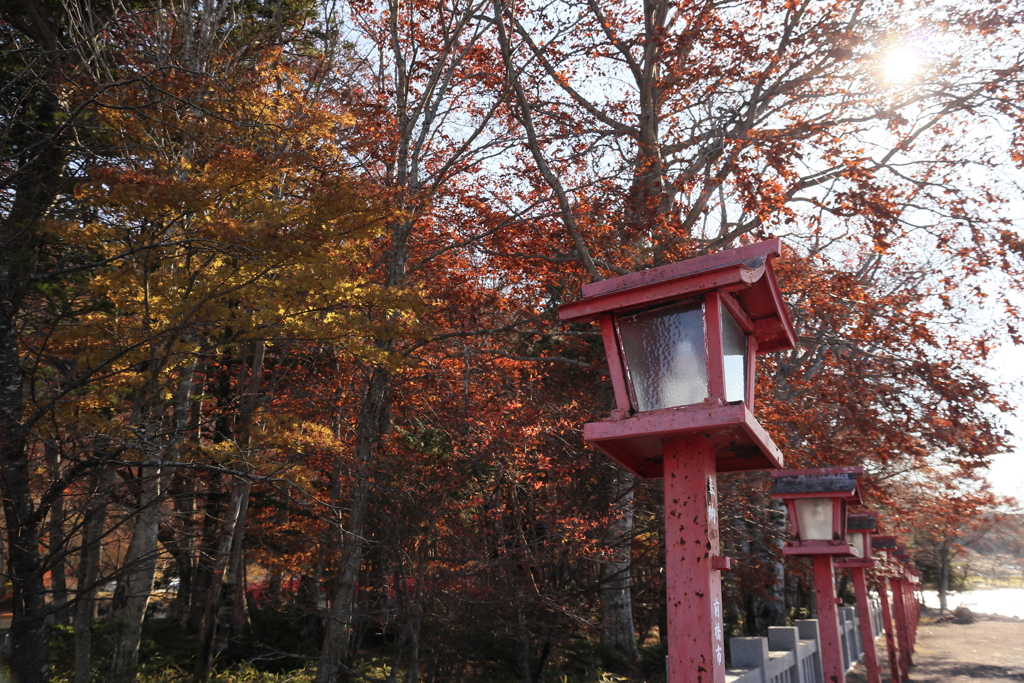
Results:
[279, 288]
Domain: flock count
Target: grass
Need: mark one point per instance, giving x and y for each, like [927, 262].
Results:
[167, 655]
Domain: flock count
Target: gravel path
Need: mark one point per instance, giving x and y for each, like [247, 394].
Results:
[991, 649]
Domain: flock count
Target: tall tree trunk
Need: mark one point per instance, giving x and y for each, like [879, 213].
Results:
[34, 185]
[766, 607]
[341, 617]
[213, 509]
[28, 655]
[373, 421]
[88, 572]
[135, 587]
[215, 592]
[944, 560]
[55, 544]
[412, 674]
[236, 564]
[234, 582]
[617, 628]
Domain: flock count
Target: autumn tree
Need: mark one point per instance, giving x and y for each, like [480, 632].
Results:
[215, 220]
[39, 58]
[669, 130]
[382, 400]
[939, 511]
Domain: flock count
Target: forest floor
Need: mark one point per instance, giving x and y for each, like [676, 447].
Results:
[990, 649]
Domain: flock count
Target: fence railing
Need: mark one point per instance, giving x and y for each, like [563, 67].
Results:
[792, 654]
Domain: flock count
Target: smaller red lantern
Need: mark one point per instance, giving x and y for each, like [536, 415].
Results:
[860, 526]
[901, 554]
[885, 571]
[816, 500]
[885, 543]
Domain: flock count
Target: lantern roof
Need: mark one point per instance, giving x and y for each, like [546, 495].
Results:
[883, 543]
[831, 482]
[862, 520]
[744, 273]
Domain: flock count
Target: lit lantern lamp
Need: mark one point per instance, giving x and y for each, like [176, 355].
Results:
[860, 526]
[816, 501]
[681, 340]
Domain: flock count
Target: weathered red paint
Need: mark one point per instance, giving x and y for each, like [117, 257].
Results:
[828, 620]
[713, 329]
[696, 641]
[890, 636]
[902, 613]
[638, 443]
[745, 273]
[615, 367]
[867, 635]
[688, 445]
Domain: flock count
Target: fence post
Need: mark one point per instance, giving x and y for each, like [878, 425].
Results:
[810, 668]
[750, 653]
[786, 638]
[844, 641]
[851, 634]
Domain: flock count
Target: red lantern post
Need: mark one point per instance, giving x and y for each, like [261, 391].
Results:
[885, 571]
[681, 340]
[914, 586]
[859, 528]
[816, 501]
[902, 610]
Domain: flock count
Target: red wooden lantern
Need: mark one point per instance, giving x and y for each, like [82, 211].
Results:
[681, 341]
[816, 500]
[884, 543]
[860, 527]
[885, 571]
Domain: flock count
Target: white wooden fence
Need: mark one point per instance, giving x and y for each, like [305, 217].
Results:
[791, 654]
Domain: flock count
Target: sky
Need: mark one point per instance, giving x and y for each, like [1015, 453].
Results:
[1007, 472]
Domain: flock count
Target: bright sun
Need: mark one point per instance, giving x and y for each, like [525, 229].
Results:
[902, 64]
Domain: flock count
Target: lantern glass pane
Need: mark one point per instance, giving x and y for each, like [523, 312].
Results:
[665, 356]
[857, 541]
[734, 346]
[814, 517]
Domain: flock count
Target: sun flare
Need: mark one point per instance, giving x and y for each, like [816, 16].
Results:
[902, 64]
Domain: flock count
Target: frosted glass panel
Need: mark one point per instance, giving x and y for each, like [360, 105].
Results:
[665, 356]
[857, 541]
[734, 345]
[814, 517]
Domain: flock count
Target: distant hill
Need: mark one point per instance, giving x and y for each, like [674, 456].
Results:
[1004, 535]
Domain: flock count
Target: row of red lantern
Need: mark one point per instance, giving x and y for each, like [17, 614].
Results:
[681, 341]
[823, 528]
